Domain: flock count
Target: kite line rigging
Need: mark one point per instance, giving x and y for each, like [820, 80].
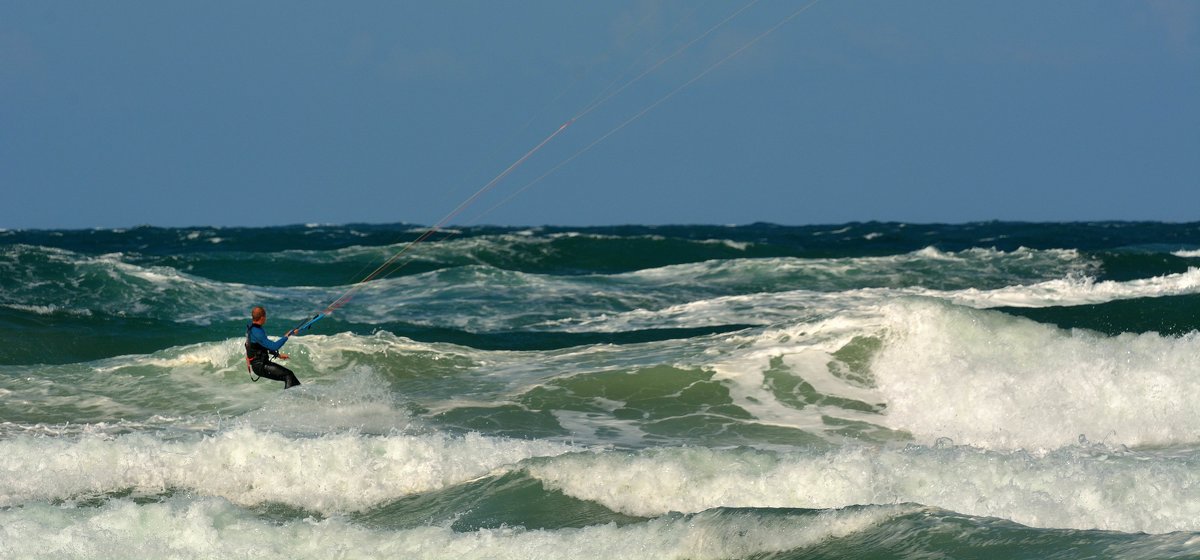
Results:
[602, 98]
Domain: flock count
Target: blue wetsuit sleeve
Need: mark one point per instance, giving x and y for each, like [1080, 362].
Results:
[260, 336]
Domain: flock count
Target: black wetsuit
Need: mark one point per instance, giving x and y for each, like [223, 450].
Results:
[258, 357]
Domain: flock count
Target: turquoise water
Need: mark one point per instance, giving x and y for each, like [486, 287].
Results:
[867, 390]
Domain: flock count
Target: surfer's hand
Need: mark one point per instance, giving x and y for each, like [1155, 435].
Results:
[283, 356]
[291, 333]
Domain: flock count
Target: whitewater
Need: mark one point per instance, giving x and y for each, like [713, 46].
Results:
[998, 390]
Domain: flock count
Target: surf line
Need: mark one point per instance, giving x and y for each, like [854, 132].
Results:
[600, 100]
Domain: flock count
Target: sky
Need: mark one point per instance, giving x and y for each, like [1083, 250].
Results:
[179, 114]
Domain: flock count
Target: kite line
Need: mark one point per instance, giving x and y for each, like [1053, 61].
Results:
[382, 271]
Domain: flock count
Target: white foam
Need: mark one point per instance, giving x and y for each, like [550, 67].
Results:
[736, 245]
[687, 295]
[830, 273]
[359, 400]
[345, 384]
[1076, 290]
[136, 290]
[991, 380]
[201, 398]
[48, 309]
[792, 305]
[806, 350]
[204, 355]
[933, 253]
[693, 294]
[215, 529]
[1072, 488]
[332, 473]
[832, 232]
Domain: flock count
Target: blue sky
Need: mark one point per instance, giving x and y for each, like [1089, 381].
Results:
[114, 114]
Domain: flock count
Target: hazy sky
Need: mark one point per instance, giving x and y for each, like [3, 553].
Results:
[114, 114]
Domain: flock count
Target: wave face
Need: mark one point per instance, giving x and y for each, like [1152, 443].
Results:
[999, 390]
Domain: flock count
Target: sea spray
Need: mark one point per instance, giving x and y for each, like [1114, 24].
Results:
[991, 380]
[991, 390]
[211, 527]
[328, 474]
[1075, 487]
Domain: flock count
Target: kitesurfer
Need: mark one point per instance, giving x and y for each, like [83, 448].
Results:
[260, 348]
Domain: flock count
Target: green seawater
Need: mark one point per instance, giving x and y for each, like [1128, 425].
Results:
[861, 390]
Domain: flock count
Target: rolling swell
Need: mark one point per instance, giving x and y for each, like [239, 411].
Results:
[62, 337]
[489, 504]
[1168, 315]
[859, 390]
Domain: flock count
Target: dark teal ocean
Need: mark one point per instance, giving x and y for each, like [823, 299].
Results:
[865, 390]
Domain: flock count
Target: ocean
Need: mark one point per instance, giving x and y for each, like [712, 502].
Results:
[863, 390]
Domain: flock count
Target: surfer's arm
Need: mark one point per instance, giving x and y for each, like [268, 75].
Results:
[259, 336]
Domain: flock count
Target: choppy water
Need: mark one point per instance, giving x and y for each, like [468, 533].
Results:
[992, 390]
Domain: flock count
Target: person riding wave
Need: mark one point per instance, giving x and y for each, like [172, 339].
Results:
[260, 348]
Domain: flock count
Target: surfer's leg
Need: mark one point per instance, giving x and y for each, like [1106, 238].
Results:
[272, 370]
